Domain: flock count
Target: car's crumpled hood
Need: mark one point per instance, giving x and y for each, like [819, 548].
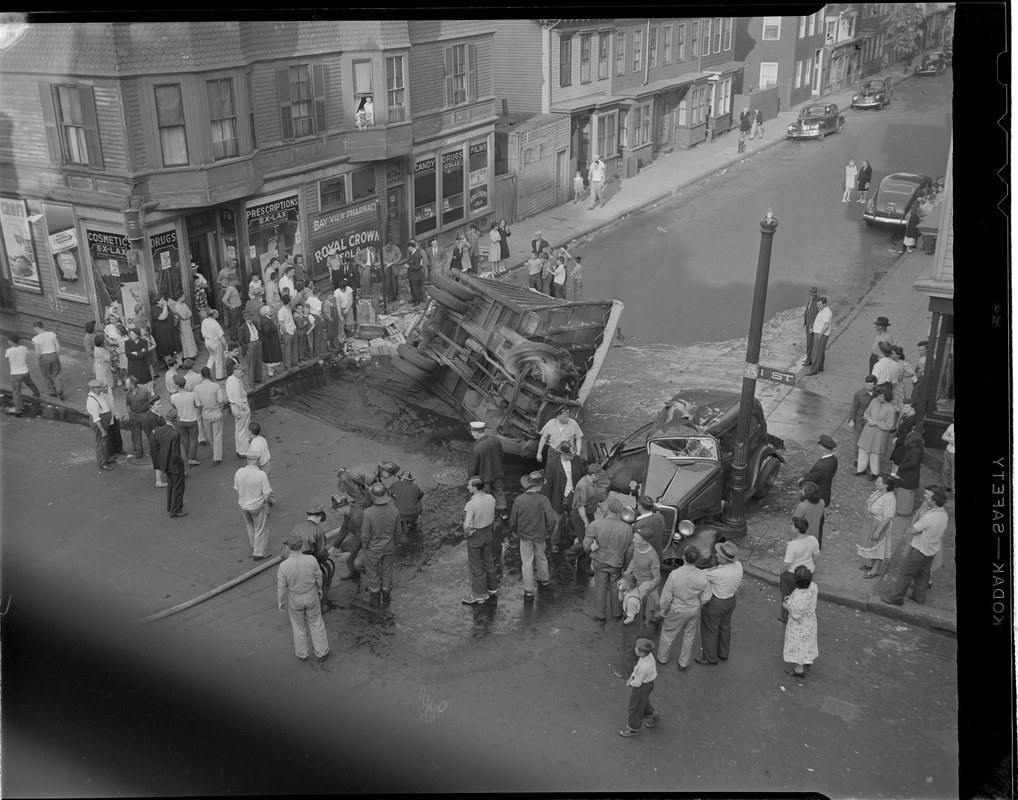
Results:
[672, 482]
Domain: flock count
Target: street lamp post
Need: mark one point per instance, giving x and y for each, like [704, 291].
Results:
[734, 516]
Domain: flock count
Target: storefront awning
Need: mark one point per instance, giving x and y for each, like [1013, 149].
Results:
[665, 85]
[837, 49]
[724, 69]
[577, 104]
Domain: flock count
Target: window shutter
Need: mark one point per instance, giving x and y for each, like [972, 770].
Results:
[450, 90]
[49, 118]
[472, 70]
[319, 89]
[91, 126]
[285, 110]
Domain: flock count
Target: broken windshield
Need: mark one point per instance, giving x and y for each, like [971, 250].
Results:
[684, 447]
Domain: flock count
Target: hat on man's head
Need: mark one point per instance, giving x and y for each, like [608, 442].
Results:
[827, 442]
[389, 466]
[257, 291]
[379, 494]
[882, 321]
[566, 449]
[813, 290]
[535, 478]
[253, 455]
[538, 233]
[94, 384]
[477, 426]
[317, 511]
[171, 413]
[885, 348]
[294, 541]
[727, 551]
[341, 500]
[615, 506]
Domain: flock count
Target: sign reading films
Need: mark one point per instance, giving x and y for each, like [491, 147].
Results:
[344, 232]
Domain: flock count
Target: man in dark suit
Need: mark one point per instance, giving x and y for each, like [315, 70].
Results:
[167, 458]
[807, 323]
[435, 257]
[538, 243]
[486, 464]
[822, 474]
[562, 474]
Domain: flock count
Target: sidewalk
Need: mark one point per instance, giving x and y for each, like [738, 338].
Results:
[662, 179]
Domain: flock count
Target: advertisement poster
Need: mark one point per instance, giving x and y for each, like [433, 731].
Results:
[343, 231]
[114, 264]
[18, 241]
[65, 253]
[165, 249]
[273, 227]
[478, 178]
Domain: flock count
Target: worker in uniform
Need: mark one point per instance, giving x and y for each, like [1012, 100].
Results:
[315, 545]
[407, 496]
[379, 530]
[355, 481]
[298, 592]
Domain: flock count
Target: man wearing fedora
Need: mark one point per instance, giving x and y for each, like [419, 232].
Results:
[532, 521]
[807, 323]
[298, 592]
[883, 335]
[822, 474]
[167, 457]
[821, 333]
[379, 530]
[310, 531]
[479, 516]
[562, 476]
[716, 616]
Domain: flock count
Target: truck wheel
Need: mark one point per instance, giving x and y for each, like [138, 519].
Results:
[416, 357]
[453, 287]
[408, 369]
[768, 475]
[528, 350]
[447, 300]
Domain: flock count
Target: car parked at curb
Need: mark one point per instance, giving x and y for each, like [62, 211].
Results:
[895, 197]
[816, 121]
[932, 64]
[873, 93]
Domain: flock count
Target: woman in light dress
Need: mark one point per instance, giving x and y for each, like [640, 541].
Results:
[851, 178]
[801, 631]
[188, 346]
[874, 544]
[905, 370]
[880, 421]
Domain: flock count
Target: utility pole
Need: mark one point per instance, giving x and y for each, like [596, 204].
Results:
[734, 516]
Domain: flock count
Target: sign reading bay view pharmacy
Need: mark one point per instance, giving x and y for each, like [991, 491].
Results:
[344, 231]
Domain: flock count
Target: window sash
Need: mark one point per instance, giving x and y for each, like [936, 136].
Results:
[729, 24]
[610, 125]
[645, 125]
[584, 59]
[362, 184]
[802, 27]
[637, 50]
[620, 53]
[395, 88]
[223, 118]
[717, 34]
[666, 54]
[362, 78]
[602, 56]
[771, 28]
[694, 39]
[798, 74]
[652, 47]
[170, 120]
[332, 192]
[680, 44]
[565, 61]
[705, 44]
[72, 129]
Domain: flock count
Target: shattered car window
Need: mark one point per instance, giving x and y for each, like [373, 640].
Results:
[691, 447]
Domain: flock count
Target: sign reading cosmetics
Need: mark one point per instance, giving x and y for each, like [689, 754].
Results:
[114, 262]
[66, 255]
[344, 232]
[478, 176]
[18, 240]
[273, 228]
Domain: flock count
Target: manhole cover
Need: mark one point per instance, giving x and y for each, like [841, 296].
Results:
[451, 476]
[943, 647]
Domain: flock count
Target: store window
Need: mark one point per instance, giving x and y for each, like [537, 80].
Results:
[478, 177]
[395, 84]
[680, 42]
[945, 367]
[223, 115]
[343, 190]
[170, 118]
[362, 184]
[620, 53]
[452, 187]
[425, 195]
[63, 247]
[602, 55]
[565, 66]
[666, 49]
[585, 59]
[363, 94]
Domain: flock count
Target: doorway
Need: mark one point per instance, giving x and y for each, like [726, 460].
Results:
[395, 222]
[561, 177]
[201, 248]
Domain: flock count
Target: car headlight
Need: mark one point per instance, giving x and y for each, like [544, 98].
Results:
[855, 97]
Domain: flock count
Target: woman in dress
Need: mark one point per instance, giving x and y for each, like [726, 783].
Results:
[874, 543]
[863, 181]
[811, 507]
[136, 351]
[503, 234]
[112, 335]
[851, 178]
[907, 458]
[911, 230]
[494, 247]
[164, 330]
[905, 370]
[801, 631]
[103, 361]
[268, 334]
[879, 417]
[201, 297]
[188, 346]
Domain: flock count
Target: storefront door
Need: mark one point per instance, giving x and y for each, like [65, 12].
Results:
[395, 219]
[201, 250]
[664, 121]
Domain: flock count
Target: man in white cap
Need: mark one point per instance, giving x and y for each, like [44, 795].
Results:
[538, 243]
[486, 463]
[99, 410]
[716, 615]
[379, 530]
[299, 587]
[254, 496]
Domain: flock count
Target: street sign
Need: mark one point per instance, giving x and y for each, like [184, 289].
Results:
[776, 375]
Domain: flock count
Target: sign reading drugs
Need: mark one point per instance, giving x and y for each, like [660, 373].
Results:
[344, 231]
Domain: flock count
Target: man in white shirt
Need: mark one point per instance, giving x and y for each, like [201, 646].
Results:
[208, 398]
[344, 303]
[215, 343]
[236, 395]
[99, 411]
[47, 348]
[927, 539]
[563, 428]
[254, 496]
[683, 596]
[17, 356]
[251, 348]
[886, 369]
[260, 447]
[821, 333]
[716, 617]
[183, 402]
[287, 333]
[596, 177]
[286, 284]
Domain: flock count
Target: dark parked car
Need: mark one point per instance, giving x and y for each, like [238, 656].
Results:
[894, 198]
[874, 93]
[816, 121]
[683, 460]
[932, 64]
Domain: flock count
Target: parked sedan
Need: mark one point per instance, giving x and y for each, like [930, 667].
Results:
[932, 64]
[816, 121]
[875, 93]
[895, 197]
